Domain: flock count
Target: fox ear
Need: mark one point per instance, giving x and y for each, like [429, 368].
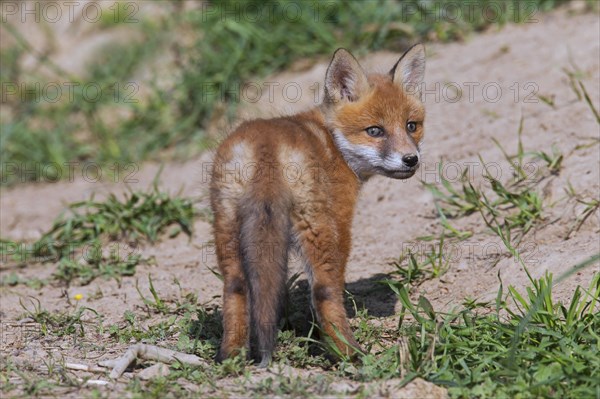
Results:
[409, 71]
[345, 79]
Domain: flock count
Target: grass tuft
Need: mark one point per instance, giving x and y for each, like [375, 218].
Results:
[90, 240]
[532, 347]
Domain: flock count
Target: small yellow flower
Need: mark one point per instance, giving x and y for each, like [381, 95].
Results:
[78, 297]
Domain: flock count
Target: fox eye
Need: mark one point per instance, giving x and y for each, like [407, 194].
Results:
[411, 127]
[374, 131]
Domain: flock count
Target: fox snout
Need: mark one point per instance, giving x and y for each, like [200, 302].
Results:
[400, 166]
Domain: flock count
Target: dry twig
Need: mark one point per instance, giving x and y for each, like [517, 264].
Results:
[149, 352]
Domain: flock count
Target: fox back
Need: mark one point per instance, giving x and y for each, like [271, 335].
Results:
[293, 182]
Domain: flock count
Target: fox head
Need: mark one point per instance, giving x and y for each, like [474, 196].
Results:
[377, 119]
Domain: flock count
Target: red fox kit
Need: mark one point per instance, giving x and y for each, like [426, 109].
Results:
[293, 181]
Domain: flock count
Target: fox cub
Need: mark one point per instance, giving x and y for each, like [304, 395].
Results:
[293, 182]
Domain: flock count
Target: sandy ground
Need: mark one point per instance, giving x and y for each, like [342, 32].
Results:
[390, 214]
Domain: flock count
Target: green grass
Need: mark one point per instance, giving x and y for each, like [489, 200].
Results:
[589, 102]
[13, 279]
[518, 208]
[528, 346]
[82, 272]
[590, 206]
[526, 203]
[415, 267]
[99, 238]
[59, 324]
[516, 205]
[575, 76]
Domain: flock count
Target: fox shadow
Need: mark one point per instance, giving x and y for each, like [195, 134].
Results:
[371, 294]
[368, 294]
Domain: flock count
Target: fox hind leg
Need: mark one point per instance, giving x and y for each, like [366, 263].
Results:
[235, 287]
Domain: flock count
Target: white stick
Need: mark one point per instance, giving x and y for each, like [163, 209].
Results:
[84, 367]
[149, 352]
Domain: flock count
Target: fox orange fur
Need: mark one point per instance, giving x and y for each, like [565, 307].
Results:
[293, 182]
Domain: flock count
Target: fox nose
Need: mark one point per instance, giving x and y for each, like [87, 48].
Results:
[410, 160]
